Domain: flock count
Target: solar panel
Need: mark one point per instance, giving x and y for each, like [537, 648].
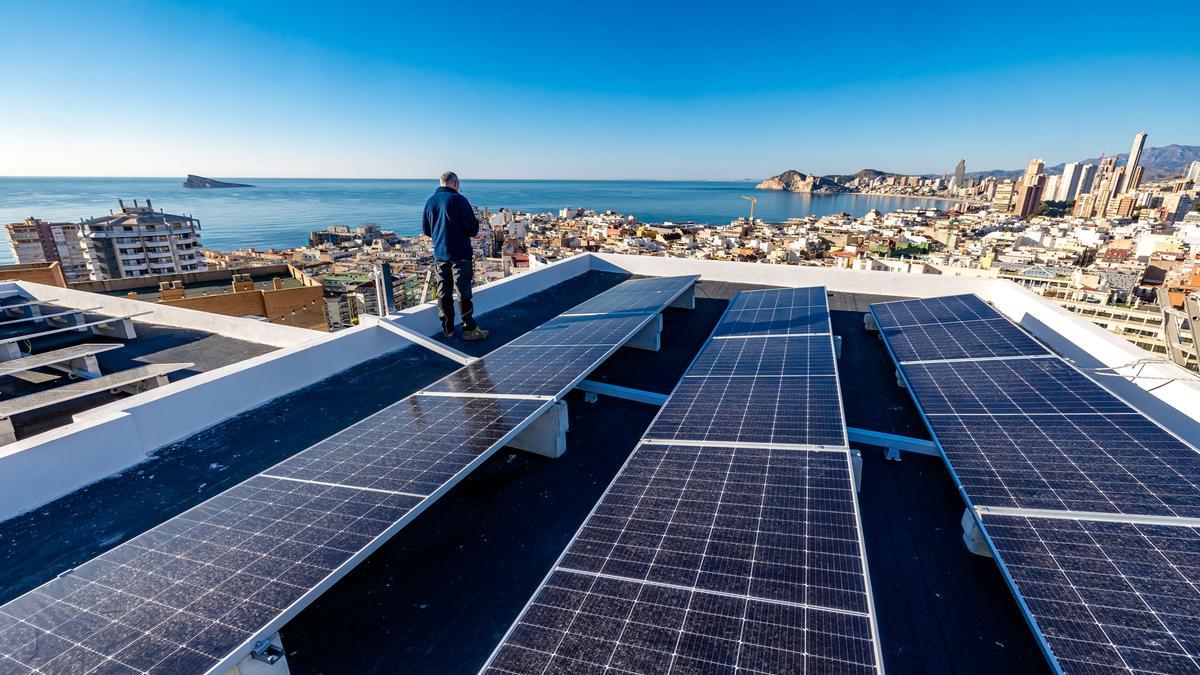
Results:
[774, 410]
[581, 623]
[411, 447]
[788, 311]
[647, 295]
[196, 588]
[1004, 387]
[774, 321]
[524, 370]
[1106, 463]
[766, 523]
[590, 329]
[1108, 597]
[948, 309]
[792, 355]
[989, 338]
[809, 296]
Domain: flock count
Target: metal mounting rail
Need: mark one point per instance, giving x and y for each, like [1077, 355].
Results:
[425, 341]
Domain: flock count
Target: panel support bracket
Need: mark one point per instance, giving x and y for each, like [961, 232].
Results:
[857, 467]
[869, 324]
[267, 658]
[119, 328]
[973, 536]
[892, 443]
[649, 337]
[686, 299]
[591, 387]
[425, 341]
[547, 435]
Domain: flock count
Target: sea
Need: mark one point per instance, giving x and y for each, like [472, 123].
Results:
[280, 212]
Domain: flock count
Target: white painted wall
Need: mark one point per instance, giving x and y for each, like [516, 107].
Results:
[424, 318]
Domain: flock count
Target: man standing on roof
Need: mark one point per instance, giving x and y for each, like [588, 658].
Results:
[450, 220]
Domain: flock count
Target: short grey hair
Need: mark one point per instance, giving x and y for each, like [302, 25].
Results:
[449, 177]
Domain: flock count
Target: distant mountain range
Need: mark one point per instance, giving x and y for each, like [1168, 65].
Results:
[1164, 162]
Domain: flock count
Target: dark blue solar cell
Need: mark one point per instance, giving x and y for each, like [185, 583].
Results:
[774, 321]
[414, 446]
[794, 355]
[770, 524]
[583, 623]
[810, 296]
[776, 312]
[1007, 386]
[1106, 463]
[792, 410]
[535, 370]
[1108, 597]
[949, 309]
[589, 329]
[967, 340]
[647, 295]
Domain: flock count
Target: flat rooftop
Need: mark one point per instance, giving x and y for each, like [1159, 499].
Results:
[152, 344]
[262, 282]
[440, 594]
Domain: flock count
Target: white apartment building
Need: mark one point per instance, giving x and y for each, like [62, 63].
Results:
[138, 241]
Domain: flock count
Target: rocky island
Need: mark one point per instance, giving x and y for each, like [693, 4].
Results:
[794, 181]
[194, 181]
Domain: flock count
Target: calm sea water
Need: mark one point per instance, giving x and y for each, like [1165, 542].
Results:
[280, 212]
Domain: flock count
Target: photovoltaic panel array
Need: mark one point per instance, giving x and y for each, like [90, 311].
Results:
[552, 358]
[197, 593]
[704, 556]
[1089, 505]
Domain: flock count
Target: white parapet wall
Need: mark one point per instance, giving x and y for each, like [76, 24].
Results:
[1168, 393]
[424, 318]
[113, 437]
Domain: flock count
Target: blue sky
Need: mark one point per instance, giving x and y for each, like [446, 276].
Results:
[614, 89]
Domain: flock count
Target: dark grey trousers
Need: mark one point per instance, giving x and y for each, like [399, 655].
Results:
[455, 273]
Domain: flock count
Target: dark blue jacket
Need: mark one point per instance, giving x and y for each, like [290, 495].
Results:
[451, 222]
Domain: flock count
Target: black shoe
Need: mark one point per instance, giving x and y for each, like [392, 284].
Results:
[475, 333]
[448, 331]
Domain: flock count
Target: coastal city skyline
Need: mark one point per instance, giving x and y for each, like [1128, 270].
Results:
[621, 91]
[695, 338]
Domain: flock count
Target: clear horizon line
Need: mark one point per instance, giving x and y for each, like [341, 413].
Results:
[465, 179]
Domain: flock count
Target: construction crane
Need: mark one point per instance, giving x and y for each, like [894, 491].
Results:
[753, 201]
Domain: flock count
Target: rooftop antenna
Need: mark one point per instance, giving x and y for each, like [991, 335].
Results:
[753, 201]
